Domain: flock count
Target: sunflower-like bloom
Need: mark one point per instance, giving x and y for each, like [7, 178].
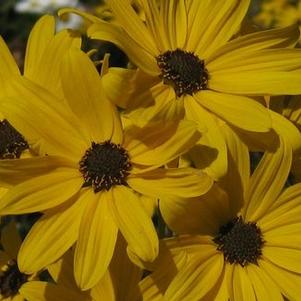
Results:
[244, 241]
[12, 280]
[95, 174]
[190, 64]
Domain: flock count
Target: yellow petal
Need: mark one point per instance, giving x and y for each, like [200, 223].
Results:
[42, 192]
[220, 21]
[240, 111]
[117, 85]
[178, 182]
[287, 130]
[153, 286]
[267, 182]
[134, 223]
[104, 290]
[201, 215]
[133, 25]
[86, 98]
[160, 143]
[257, 83]
[96, 241]
[242, 286]
[236, 181]
[9, 68]
[286, 258]
[51, 60]
[287, 282]
[264, 287]
[196, 279]
[273, 38]
[125, 275]
[284, 211]
[175, 19]
[210, 153]
[114, 34]
[15, 171]
[51, 236]
[38, 41]
[264, 60]
[44, 120]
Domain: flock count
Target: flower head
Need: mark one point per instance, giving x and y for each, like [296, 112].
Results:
[243, 241]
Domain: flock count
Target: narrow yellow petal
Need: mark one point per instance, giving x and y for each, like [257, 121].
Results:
[51, 236]
[264, 287]
[286, 258]
[160, 143]
[210, 153]
[40, 193]
[134, 223]
[284, 211]
[45, 121]
[113, 33]
[178, 182]
[240, 111]
[274, 38]
[38, 41]
[133, 25]
[220, 21]
[16, 171]
[287, 282]
[96, 241]
[257, 83]
[9, 68]
[242, 286]
[267, 182]
[188, 282]
[236, 181]
[86, 98]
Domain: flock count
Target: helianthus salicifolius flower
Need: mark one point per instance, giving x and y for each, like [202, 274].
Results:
[189, 63]
[243, 241]
[95, 175]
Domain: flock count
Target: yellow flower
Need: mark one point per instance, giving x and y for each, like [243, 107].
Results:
[244, 242]
[189, 64]
[91, 181]
[11, 279]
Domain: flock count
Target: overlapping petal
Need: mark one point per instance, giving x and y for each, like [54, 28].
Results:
[58, 186]
[134, 223]
[172, 182]
[158, 144]
[86, 98]
[240, 111]
[51, 236]
[96, 241]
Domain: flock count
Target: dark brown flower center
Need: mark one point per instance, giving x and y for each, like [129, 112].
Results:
[105, 165]
[11, 280]
[240, 242]
[184, 71]
[12, 143]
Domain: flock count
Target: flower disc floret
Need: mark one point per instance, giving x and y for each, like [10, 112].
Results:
[105, 165]
[183, 70]
[11, 280]
[12, 143]
[240, 242]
